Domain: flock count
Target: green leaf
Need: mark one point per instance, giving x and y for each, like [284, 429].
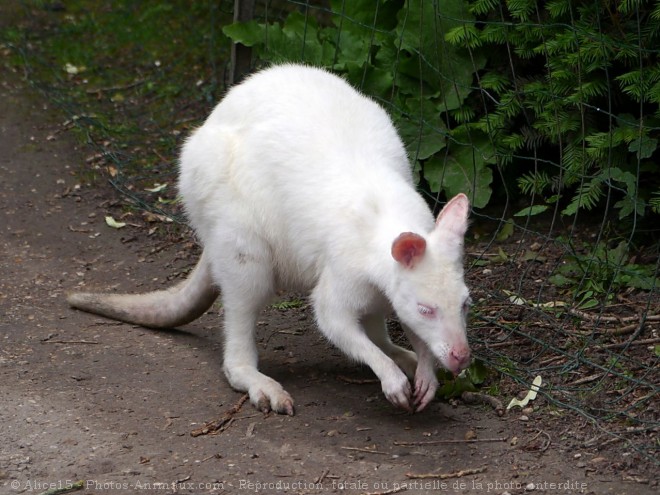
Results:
[444, 69]
[561, 280]
[371, 80]
[463, 170]
[588, 302]
[467, 381]
[505, 231]
[423, 133]
[643, 146]
[531, 211]
[246, 33]
[477, 372]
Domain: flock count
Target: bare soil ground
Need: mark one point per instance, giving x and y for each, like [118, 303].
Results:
[115, 406]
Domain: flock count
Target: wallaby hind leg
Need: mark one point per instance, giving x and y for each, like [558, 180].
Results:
[376, 329]
[246, 289]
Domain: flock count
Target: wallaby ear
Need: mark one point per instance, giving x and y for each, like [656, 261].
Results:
[454, 216]
[408, 249]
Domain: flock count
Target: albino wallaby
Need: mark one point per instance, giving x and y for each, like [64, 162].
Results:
[297, 181]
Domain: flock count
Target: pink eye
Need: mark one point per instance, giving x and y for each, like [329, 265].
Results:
[425, 310]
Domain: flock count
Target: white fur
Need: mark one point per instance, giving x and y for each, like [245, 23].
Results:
[297, 181]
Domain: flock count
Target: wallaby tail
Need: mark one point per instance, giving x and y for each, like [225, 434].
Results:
[168, 308]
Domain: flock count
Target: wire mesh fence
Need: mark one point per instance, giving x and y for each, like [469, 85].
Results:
[549, 266]
[546, 114]
[524, 107]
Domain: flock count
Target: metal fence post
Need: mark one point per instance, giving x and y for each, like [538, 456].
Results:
[241, 55]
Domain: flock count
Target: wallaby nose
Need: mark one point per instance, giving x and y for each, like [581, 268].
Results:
[460, 355]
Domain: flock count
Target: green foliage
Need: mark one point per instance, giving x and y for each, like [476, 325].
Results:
[288, 304]
[572, 94]
[599, 272]
[563, 96]
[467, 381]
[396, 51]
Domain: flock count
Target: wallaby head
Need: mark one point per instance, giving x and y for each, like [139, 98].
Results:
[431, 297]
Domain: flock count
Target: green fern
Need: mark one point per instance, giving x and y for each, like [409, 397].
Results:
[534, 183]
[654, 202]
[587, 197]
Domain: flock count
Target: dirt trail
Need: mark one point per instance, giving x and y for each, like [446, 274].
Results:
[114, 405]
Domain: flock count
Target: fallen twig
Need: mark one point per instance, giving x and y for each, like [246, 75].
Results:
[444, 476]
[507, 343]
[222, 423]
[121, 87]
[587, 379]
[654, 340]
[322, 477]
[78, 485]
[619, 331]
[478, 398]
[529, 447]
[69, 342]
[388, 492]
[359, 381]
[213, 456]
[610, 319]
[441, 442]
[369, 451]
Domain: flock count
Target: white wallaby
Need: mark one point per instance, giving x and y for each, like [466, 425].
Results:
[297, 181]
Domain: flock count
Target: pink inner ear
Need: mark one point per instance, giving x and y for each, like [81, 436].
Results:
[408, 248]
[453, 217]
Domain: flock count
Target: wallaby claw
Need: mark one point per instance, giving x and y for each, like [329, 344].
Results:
[279, 405]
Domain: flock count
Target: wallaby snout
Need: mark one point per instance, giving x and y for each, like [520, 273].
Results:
[458, 358]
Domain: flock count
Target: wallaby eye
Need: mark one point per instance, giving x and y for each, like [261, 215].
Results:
[425, 310]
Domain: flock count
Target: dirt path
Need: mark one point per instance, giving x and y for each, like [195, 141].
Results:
[114, 405]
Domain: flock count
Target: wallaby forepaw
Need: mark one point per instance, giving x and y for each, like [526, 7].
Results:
[426, 385]
[278, 401]
[397, 390]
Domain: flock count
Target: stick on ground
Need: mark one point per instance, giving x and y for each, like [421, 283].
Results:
[220, 424]
[444, 476]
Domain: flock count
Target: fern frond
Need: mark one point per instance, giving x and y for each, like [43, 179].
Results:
[466, 35]
[482, 7]
[495, 81]
[558, 8]
[654, 202]
[534, 183]
[655, 15]
[532, 138]
[587, 197]
[513, 141]
[521, 9]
